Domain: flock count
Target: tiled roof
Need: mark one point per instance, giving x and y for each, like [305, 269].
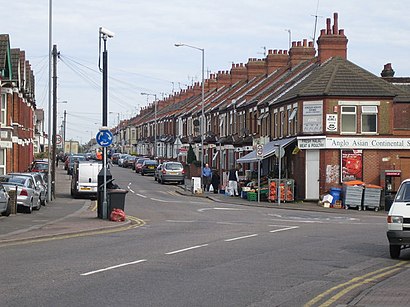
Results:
[15, 60]
[4, 46]
[339, 77]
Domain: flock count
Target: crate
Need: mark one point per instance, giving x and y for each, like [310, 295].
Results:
[252, 196]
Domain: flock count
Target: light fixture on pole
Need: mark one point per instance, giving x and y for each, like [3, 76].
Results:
[155, 123]
[202, 104]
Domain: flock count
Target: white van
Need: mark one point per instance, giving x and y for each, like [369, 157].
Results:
[84, 181]
[398, 221]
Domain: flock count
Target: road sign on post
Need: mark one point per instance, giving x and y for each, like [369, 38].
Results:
[259, 155]
[104, 138]
[259, 151]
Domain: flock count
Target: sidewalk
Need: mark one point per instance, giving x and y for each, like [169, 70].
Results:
[62, 217]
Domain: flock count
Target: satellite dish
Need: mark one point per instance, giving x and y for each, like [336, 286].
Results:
[196, 122]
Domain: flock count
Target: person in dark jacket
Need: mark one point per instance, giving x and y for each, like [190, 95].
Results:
[233, 179]
[215, 181]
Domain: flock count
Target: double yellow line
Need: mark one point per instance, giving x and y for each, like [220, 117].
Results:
[354, 283]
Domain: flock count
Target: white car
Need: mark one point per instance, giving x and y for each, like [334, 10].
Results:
[5, 203]
[398, 221]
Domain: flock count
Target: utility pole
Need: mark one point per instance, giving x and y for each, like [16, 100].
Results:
[64, 129]
[54, 139]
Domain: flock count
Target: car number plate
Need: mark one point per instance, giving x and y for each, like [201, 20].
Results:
[85, 189]
[150, 167]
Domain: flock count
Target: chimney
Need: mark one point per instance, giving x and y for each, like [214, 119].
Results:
[332, 41]
[211, 83]
[238, 73]
[255, 67]
[388, 71]
[300, 52]
[276, 59]
[223, 78]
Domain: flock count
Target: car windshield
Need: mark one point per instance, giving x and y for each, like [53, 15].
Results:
[41, 166]
[404, 192]
[13, 180]
[150, 162]
[173, 166]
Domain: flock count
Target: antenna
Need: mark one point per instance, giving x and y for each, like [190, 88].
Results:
[316, 16]
[264, 51]
[290, 37]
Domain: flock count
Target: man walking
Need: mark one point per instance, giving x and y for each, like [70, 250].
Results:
[207, 175]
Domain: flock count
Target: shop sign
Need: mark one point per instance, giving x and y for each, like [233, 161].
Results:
[331, 122]
[6, 144]
[312, 143]
[313, 116]
[368, 143]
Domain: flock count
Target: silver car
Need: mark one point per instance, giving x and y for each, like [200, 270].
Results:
[39, 183]
[5, 204]
[171, 172]
[28, 195]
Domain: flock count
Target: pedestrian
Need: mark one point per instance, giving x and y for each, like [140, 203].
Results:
[206, 174]
[215, 181]
[233, 179]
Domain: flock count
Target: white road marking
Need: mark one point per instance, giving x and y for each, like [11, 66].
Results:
[240, 238]
[140, 195]
[186, 249]
[129, 188]
[180, 221]
[227, 209]
[284, 229]
[165, 201]
[113, 267]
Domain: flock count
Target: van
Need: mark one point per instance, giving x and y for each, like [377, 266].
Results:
[398, 221]
[84, 181]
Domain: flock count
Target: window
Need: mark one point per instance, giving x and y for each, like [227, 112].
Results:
[282, 123]
[276, 124]
[3, 109]
[2, 161]
[369, 119]
[348, 119]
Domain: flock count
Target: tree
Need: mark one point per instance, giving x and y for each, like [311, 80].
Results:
[191, 157]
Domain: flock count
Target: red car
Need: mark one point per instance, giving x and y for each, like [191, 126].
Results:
[138, 164]
[39, 166]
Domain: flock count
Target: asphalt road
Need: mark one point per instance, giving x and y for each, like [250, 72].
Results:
[194, 252]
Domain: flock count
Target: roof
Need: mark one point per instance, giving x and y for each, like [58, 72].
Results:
[339, 77]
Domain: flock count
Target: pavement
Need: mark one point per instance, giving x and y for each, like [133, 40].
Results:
[67, 217]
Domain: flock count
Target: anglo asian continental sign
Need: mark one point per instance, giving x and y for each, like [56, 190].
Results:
[356, 143]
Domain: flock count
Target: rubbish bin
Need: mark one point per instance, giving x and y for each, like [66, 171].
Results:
[115, 200]
[335, 192]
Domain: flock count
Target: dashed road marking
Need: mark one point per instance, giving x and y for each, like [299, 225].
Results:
[113, 267]
[185, 249]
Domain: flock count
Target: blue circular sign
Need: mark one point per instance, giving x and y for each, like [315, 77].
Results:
[104, 138]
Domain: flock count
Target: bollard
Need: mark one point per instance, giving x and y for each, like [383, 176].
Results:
[13, 200]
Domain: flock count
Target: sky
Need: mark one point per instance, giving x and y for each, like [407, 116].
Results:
[142, 56]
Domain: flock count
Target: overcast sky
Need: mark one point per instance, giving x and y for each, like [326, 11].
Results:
[142, 56]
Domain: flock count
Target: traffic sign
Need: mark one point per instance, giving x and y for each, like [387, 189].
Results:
[104, 138]
[59, 139]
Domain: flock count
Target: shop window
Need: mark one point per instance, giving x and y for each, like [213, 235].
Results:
[282, 124]
[275, 124]
[369, 119]
[348, 119]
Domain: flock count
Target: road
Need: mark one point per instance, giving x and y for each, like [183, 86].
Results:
[195, 252]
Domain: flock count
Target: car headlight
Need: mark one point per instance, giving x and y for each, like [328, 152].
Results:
[395, 219]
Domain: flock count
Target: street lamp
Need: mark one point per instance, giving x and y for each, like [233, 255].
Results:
[155, 124]
[202, 104]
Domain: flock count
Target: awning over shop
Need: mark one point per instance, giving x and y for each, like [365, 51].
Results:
[268, 150]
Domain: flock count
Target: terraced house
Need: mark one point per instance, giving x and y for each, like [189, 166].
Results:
[17, 117]
[324, 118]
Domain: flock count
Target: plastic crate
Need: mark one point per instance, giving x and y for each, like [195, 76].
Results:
[252, 196]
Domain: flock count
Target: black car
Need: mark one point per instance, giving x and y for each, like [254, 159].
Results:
[148, 167]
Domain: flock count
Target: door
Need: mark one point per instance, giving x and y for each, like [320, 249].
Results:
[312, 174]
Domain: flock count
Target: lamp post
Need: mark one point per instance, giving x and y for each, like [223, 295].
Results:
[155, 123]
[202, 104]
[104, 34]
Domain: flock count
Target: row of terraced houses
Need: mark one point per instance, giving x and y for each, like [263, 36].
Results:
[333, 120]
[21, 125]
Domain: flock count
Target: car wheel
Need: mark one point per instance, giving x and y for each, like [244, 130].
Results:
[162, 181]
[8, 210]
[394, 251]
[142, 173]
[29, 209]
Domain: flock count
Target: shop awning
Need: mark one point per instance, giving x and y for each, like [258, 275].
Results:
[268, 150]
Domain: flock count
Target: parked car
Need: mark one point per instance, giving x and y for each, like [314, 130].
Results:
[172, 172]
[121, 159]
[114, 157]
[157, 171]
[39, 184]
[148, 167]
[138, 164]
[71, 160]
[129, 161]
[398, 221]
[5, 203]
[39, 166]
[28, 196]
